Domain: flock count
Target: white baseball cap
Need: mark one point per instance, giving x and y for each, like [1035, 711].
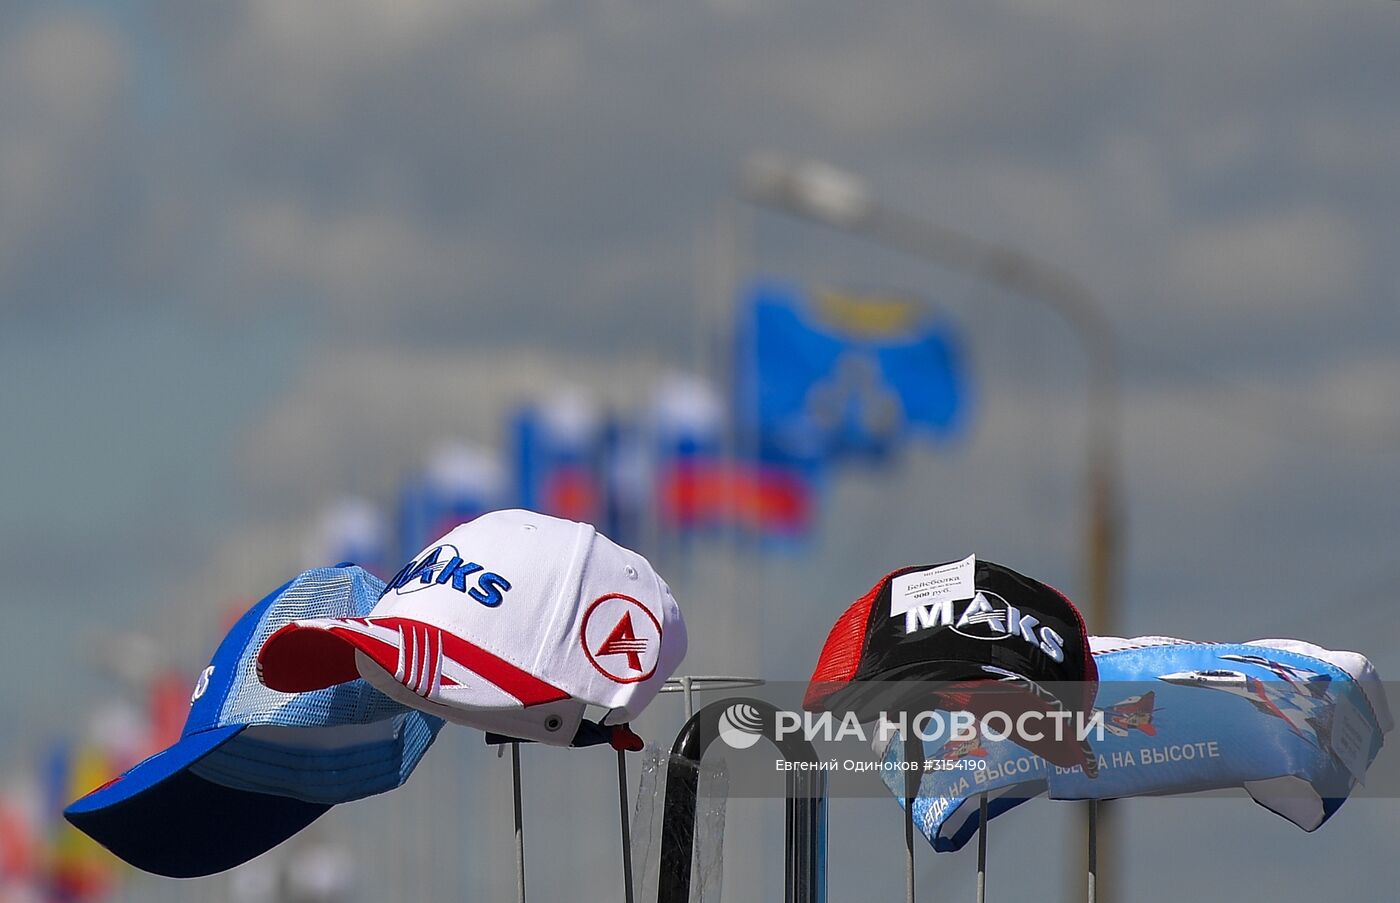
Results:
[514, 623]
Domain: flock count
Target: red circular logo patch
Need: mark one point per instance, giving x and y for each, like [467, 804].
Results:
[621, 638]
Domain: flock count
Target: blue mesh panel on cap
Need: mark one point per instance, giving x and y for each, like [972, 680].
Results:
[304, 769]
[318, 593]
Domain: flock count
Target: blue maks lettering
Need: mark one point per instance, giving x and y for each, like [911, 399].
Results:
[444, 566]
[490, 589]
[457, 571]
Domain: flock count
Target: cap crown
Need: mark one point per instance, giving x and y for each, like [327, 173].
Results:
[228, 691]
[551, 597]
[926, 622]
[349, 728]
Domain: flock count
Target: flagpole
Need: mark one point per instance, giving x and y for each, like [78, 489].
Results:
[821, 193]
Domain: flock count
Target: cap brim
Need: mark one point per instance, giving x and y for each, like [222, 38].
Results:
[431, 662]
[422, 666]
[554, 723]
[963, 686]
[162, 818]
[963, 823]
[314, 654]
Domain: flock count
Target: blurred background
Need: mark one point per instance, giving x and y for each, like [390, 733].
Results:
[288, 283]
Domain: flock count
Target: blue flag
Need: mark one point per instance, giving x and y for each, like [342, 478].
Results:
[1294, 725]
[824, 375]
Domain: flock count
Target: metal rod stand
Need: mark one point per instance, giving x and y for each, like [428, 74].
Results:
[913, 756]
[1093, 850]
[626, 826]
[982, 849]
[519, 825]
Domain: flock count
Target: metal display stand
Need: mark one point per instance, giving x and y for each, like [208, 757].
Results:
[982, 848]
[691, 684]
[1093, 850]
[519, 824]
[628, 893]
[913, 756]
[627, 878]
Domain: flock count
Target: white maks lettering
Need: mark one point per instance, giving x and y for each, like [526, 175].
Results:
[986, 616]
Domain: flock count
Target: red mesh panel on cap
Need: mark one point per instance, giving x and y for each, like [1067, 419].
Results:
[1091, 667]
[840, 657]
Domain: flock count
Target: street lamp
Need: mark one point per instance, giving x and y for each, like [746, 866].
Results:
[818, 191]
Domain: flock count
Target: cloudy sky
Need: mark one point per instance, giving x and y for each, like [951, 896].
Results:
[256, 255]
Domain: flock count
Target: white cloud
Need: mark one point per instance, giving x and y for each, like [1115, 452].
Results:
[1354, 398]
[68, 68]
[1274, 264]
[63, 78]
[353, 28]
[357, 258]
[358, 416]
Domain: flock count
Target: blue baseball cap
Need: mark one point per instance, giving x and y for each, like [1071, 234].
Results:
[254, 766]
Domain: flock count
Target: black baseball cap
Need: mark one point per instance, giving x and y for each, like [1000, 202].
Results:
[963, 635]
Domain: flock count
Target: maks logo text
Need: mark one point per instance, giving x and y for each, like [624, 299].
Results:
[445, 566]
[987, 616]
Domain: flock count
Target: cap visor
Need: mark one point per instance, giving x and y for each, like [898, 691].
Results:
[431, 662]
[960, 686]
[162, 818]
[315, 654]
